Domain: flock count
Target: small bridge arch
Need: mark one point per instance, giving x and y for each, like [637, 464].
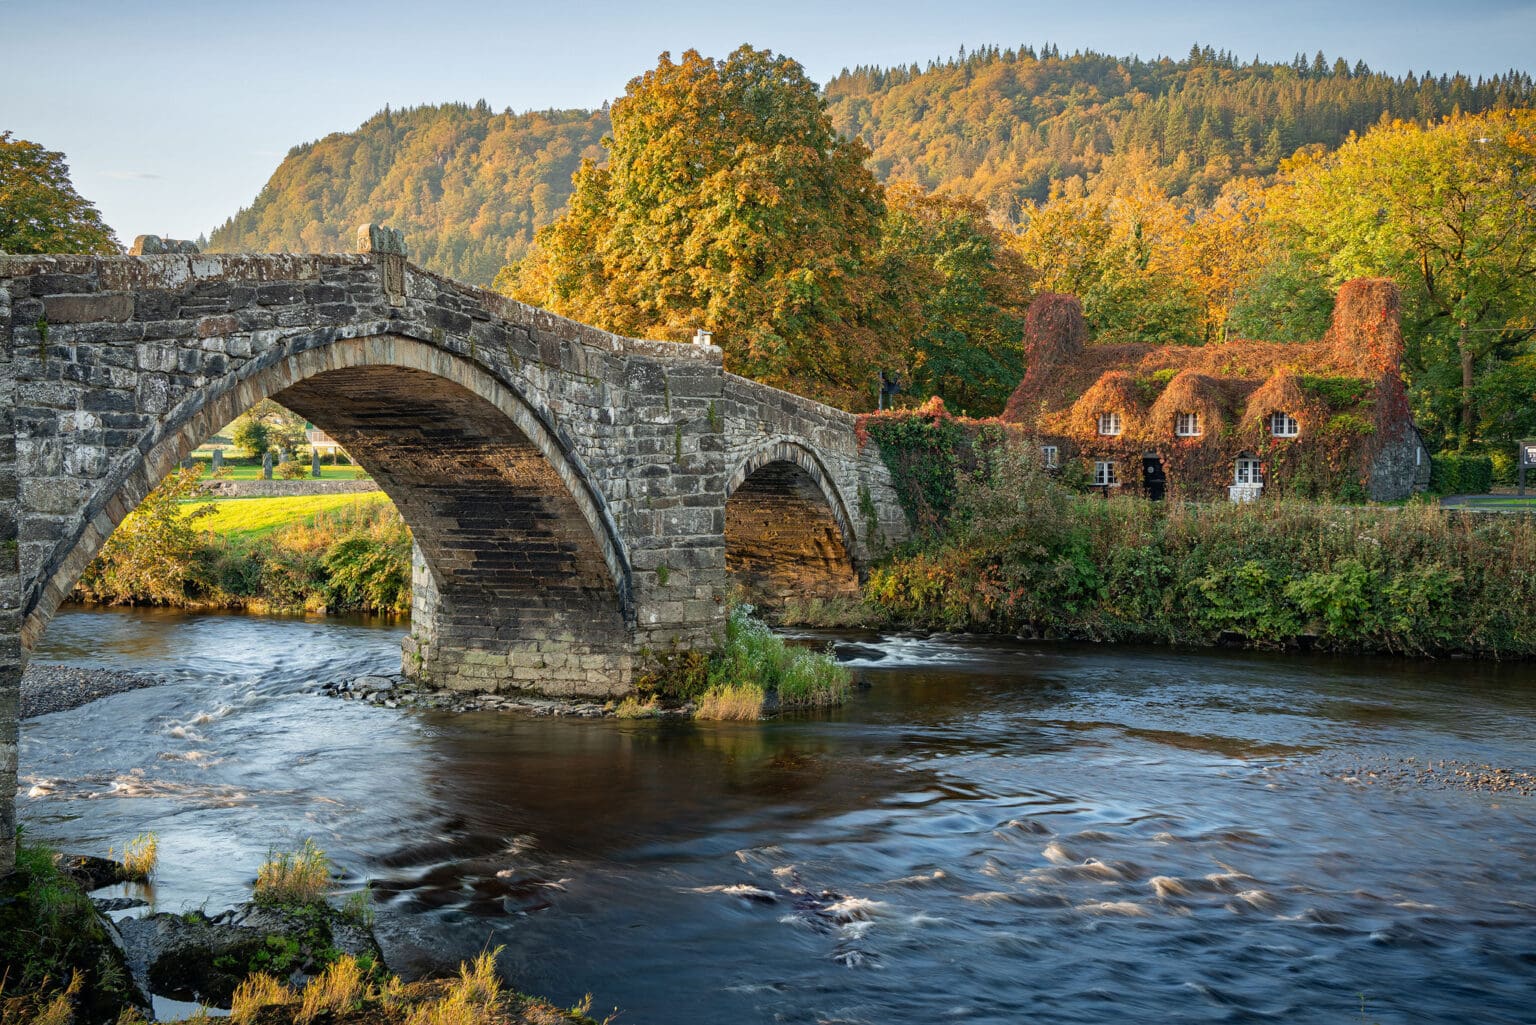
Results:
[788, 535]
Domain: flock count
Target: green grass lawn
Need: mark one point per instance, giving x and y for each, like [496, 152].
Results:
[250, 469]
[1501, 503]
[250, 518]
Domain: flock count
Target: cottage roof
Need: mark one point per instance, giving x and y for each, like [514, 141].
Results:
[1363, 343]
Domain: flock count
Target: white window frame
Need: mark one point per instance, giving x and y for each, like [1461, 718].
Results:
[1051, 456]
[1104, 475]
[1247, 470]
[1109, 424]
[1283, 425]
[1187, 425]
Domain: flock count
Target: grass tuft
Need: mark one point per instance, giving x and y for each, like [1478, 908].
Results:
[633, 708]
[294, 877]
[731, 702]
[140, 857]
[474, 998]
[257, 991]
[334, 991]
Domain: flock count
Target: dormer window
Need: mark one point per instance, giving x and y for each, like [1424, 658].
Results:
[1109, 424]
[1186, 425]
[1283, 425]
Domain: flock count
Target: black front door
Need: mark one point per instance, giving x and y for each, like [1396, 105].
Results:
[1153, 481]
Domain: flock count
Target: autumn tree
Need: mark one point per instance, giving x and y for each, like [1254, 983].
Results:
[728, 204]
[152, 555]
[1449, 211]
[970, 290]
[1115, 251]
[40, 211]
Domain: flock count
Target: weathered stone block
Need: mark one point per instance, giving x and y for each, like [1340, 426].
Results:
[80, 309]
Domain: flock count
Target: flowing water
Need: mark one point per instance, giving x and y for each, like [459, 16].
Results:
[987, 833]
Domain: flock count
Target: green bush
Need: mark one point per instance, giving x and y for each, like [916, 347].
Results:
[1461, 475]
[356, 558]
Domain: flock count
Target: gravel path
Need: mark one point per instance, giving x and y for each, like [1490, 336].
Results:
[53, 688]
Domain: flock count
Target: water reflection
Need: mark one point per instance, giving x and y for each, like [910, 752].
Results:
[989, 832]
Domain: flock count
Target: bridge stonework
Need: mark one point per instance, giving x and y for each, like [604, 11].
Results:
[576, 498]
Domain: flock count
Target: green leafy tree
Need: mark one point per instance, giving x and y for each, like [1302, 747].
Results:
[971, 291]
[40, 211]
[251, 434]
[1449, 211]
[728, 203]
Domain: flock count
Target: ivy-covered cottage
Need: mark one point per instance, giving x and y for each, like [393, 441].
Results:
[1243, 419]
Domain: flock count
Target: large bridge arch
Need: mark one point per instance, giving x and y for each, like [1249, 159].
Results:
[517, 550]
[788, 534]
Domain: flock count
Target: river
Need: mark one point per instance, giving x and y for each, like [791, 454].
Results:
[987, 832]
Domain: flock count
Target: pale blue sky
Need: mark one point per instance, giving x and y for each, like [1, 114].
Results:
[173, 113]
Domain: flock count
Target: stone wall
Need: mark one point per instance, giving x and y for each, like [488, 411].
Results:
[287, 488]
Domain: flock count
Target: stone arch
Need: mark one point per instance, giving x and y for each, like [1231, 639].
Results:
[787, 529]
[491, 412]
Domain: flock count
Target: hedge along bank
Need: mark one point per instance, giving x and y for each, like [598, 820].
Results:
[1024, 555]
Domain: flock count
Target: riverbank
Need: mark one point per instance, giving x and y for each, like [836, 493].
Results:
[47, 688]
[331, 553]
[1022, 555]
[287, 956]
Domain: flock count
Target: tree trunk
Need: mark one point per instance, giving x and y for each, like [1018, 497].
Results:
[1467, 360]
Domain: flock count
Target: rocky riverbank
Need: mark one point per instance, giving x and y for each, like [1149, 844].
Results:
[395, 691]
[49, 688]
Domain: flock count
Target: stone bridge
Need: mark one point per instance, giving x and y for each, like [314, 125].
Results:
[576, 498]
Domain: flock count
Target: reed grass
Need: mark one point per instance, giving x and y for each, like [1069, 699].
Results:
[294, 877]
[141, 855]
[731, 702]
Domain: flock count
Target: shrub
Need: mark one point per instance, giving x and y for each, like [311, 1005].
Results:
[152, 556]
[731, 701]
[753, 659]
[1024, 556]
[294, 877]
[1460, 475]
[288, 469]
[811, 679]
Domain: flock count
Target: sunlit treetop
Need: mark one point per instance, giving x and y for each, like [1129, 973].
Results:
[40, 211]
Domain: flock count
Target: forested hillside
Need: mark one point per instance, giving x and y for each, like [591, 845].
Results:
[1001, 125]
[469, 185]
[466, 184]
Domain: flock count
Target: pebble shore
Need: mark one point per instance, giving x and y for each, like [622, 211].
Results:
[1440, 774]
[49, 688]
